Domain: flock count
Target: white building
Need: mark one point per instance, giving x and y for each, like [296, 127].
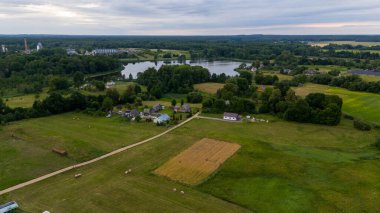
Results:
[3, 49]
[231, 116]
[39, 46]
[105, 52]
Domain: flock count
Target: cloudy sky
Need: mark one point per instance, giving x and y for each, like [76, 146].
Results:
[189, 17]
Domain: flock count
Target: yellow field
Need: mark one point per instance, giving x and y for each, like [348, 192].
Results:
[354, 43]
[210, 88]
[196, 163]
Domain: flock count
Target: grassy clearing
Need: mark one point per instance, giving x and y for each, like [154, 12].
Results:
[198, 162]
[25, 146]
[354, 43]
[358, 104]
[280, 167]
[327, 68]
[26, 101]
[149, 55]
[210, 88]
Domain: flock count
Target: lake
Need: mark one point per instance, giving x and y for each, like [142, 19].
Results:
[217, 67]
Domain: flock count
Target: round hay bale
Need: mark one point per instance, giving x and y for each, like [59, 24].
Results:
[182, 192]
[174, 189]
[126, 172]
[129, 170]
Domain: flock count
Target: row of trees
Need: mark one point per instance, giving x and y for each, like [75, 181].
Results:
[351, 82]
[54, 104]
[174, 79]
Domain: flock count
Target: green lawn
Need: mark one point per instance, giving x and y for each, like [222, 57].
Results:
[358, 104]
[25, 146]
[27, 101]
[327, 68]
[24, 101]
[281, 167]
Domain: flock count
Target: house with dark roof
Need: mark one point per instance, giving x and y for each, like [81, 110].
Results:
[156, 108]
[231, 116]
[134, 113]
[186, 108]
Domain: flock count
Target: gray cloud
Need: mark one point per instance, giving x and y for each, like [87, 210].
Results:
[190, 17]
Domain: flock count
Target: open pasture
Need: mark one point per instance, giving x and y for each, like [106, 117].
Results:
[280, 167]
[199, 161]
[26, 146]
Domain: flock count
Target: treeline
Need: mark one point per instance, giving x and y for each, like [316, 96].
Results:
[175, 79]
[57, 103]
[54, 104]
[240, 96]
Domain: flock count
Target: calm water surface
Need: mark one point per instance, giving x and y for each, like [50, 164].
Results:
[217, 67]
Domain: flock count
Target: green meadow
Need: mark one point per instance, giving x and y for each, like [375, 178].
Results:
[358, 104]
[281, 167]
[26, 146]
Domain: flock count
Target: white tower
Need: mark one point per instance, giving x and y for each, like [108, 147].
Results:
[3, 49]
[39, 46]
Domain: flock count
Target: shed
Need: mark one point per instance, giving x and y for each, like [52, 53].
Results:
[8, 207]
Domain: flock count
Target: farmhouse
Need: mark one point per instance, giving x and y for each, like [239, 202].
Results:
[186, 108]
[134, 113]
[231, 116]
[162, 119]
[8, 207]
[156, 108]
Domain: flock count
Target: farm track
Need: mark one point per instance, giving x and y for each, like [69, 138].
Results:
[30, 182]
[218, 119]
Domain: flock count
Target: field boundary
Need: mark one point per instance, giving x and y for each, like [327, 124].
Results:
[41, 178]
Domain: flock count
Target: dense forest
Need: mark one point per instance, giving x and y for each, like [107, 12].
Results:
[30, 73]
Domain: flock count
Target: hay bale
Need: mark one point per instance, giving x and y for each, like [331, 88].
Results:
[182, 192]
[61, 152]
[78, 175]
[174, 189]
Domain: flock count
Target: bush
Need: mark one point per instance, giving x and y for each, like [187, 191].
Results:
[194, 97]
[361, 125]
[377, 144]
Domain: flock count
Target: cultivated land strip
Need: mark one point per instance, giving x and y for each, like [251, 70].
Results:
[30, 182]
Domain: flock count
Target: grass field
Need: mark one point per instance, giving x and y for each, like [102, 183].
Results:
[27, 101]
[210, 88]
[358, 104]
[354, 43]
[280, 167]
[25, 146]
[358, 51]
[196, 163]
[327, 68]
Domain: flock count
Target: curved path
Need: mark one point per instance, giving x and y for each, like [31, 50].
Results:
[30, 182]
